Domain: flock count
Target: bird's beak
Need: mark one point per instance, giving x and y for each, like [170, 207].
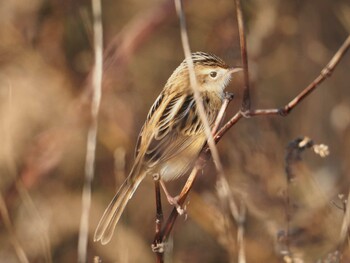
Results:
[235, 70]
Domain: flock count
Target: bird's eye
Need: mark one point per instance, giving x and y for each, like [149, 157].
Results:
[213, 74]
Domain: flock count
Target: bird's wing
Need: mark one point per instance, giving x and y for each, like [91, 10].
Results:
[172, 127]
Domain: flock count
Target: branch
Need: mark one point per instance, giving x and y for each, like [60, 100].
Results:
[242, 40]
[326, 72]
[285, 110]
[293, 156]
[203, 158]
[157, 244]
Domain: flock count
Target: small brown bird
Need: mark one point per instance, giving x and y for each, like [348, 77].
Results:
[173, 134]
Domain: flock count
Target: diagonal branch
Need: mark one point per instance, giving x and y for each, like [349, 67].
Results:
[326, 72]
[203, 158]
[244, 112]
[285, 110]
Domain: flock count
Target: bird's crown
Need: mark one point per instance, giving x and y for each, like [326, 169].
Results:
[207, 59]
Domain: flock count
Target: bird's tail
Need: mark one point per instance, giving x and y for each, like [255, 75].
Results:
[110, 217]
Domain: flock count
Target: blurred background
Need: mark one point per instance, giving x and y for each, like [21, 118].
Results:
[46, 59]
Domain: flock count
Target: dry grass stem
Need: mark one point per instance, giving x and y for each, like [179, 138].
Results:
[92, 132]
[194, 85]
[244, 54]
[201, 111]
[345, 227]
[22, 257]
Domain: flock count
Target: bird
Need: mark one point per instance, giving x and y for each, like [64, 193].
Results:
[173, 135]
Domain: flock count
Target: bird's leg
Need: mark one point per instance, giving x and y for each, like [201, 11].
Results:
[172, 200]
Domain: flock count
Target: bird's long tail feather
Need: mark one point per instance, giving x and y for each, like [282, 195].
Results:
[113, 212]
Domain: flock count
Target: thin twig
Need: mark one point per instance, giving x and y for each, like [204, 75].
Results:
[293, 155]
[228, 98]
[92, 133]
[242, 40]
[159, 223]
[345, 228]
[260, 112]
[240, 234]
[208, 132]
[225, 196]
[182, 197]
[194, 86]
[285, 110]
[22, 257]
[189, 183]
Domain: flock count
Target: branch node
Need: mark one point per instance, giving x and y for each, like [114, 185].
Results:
[284, 111]
[246, 113]
[181, 211]
[156, 176]
[326, 72]
[158, 247]
[229, 96]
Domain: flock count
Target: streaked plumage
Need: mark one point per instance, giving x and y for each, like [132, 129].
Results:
[172, 135]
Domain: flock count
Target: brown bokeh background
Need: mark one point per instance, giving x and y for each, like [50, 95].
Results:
[45, 63]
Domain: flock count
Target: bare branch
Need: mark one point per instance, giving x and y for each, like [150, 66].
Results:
[242, 40]
[159, 222]
[260, 112]
[169, 224]
[285, 110]
[189, 183]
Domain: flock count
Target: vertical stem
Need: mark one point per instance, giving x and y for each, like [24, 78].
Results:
[345, 230]
[92, 133]
[242, 39]
[159, 222]
[288, 215]
[194, 86]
